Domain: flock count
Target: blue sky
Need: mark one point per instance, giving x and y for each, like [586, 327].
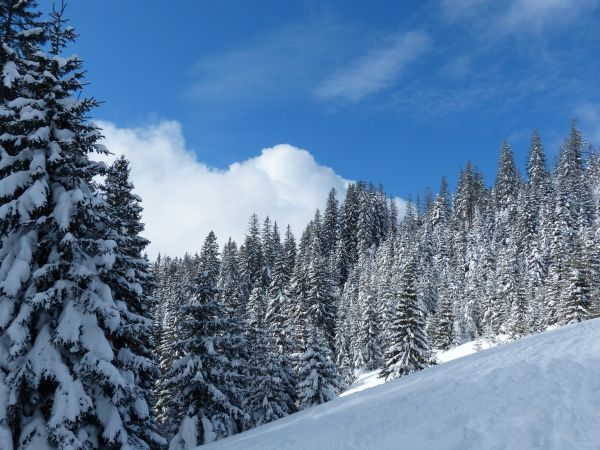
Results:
[397, 92]
[393, 92]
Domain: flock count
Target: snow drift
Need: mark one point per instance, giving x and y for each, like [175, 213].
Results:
[542, 392]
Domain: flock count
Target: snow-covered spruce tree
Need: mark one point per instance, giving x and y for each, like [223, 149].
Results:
[171, 299]
[393, 208]
[343, 352]
[506, 282]
[298, 292]
[519, 320]
[468, 309]
[570, 217]
[592, 250]
[559, 236]
[407, 237]
[365, 227]
[349, 215]
[533, 217]
[330, 224]
[69, 369]
[234, 308]
[318, 377]
[345, 327]
[441, 325]
[21, 32]
[365, 345]
[17, 22]
[508, 182]
[386, 284]
[320, 297]
[251, 258]
[470, 192]
[383, 225]
[408, 349]
[278, 307]
[506, 194]
[427, 282]
[202, 378]
[269, 242]
[576, 301]
[229, 280]
[130, 280]
[290, 250]
[533, 204]
[271, 389]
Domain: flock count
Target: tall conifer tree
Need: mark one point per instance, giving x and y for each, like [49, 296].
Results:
[202, 379]
[67, 336]
[408, 349]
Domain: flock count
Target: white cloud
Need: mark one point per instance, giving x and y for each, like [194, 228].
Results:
[505, 17]
[184, 199]
[376, 70]
[537, 14]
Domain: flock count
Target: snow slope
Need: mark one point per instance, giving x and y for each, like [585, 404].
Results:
[365, 381]
[469, 348]
[371, 379]
[542, 392]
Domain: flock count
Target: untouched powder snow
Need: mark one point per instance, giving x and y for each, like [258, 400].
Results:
[541, 392]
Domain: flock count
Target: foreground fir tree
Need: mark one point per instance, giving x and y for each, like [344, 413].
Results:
[408, 349]
[130, 281]
[202, 378]
[73, 374]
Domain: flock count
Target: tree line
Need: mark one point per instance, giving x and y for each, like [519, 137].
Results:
[364, 291]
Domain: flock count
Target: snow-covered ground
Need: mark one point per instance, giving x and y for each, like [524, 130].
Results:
[542, 392]
[371, 379]
[470, 347]
[365, 381]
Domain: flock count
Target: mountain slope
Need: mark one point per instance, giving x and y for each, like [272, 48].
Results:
[542, 392]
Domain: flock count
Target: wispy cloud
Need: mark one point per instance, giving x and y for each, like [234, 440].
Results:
[284, 60]
[376, 70]
[498, 18]
[488, 89]
[455, 10]
[588, 116]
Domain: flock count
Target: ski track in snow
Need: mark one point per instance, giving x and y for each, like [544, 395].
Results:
[541, 392]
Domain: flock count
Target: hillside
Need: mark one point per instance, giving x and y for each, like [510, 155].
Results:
[542, 392]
